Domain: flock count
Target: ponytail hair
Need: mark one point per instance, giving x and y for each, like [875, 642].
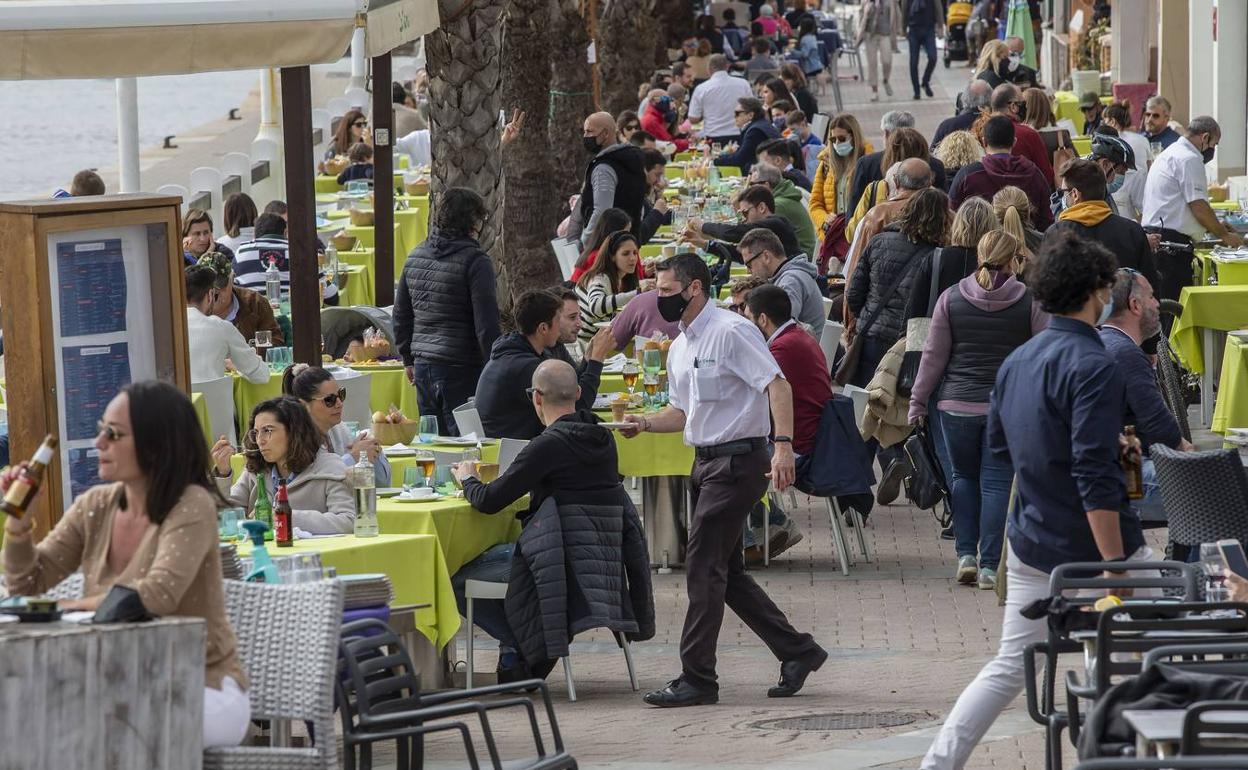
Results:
[302, 381]
[1013, 208]
[1012, 224]
[996, 250]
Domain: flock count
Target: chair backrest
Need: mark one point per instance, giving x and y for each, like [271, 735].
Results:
[1205, 494]
[1225, 762]
[468, 420]
[236, 164]
[819, 125]
[175, 189]
[219, 395]
[1232, 657]
[379, 675]
[830, 340]
[359, 387]
[1074, 576]
[209, 179]
[288, 643]
[859, 396]
[507, 450]
[566, 252]
[1204, 734]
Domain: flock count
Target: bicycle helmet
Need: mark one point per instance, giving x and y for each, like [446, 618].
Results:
[1113, 149]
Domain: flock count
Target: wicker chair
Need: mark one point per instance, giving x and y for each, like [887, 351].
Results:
[288, 643]
[1205, 495]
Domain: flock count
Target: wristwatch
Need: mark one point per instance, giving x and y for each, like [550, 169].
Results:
[782, 440]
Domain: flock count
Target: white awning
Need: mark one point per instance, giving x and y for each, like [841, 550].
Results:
[49, 39]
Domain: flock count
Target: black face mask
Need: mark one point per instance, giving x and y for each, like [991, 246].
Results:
[591, 144]
[1022, 111]
[1206, 154]
[673, 306]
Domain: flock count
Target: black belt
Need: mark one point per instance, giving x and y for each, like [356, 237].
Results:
[730, 448]
[1172, 238]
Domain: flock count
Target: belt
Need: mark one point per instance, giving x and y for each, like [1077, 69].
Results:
[1172, 238]
[730, 448]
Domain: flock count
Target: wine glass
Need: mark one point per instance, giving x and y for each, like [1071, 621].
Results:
[427, 428]
[651, 385]
[630, 375]
[1214, 565]
[652, 360]
[426, 462]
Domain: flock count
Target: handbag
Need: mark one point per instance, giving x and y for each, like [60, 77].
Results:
[917, 330]
[833, 244]
[853, 351]
[926, 486]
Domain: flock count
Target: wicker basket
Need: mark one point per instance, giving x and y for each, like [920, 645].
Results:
[389, 433]
[342, 241]
[362, 217]
[418, 187]
[337, 165]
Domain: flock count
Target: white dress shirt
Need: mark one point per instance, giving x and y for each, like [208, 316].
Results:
[1176, 179]
[1130, 197]
[714, 102]
[718, 372]
[212, 340]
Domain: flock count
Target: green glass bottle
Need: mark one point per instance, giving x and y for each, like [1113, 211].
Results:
[264, 508]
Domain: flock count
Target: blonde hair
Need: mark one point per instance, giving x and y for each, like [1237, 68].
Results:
[993, 52]
[958, 149]
[1013, 209]
[996, 250]
[975, 219]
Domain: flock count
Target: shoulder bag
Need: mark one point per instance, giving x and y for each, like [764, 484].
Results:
[853, 351]
[917, 330]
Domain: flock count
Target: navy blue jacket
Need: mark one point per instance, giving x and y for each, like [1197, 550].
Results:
[1144, 408]
[1056, 415]
[747, 152]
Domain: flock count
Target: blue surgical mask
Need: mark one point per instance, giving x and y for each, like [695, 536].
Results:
[1116, 185]
[842, 148]
[1106, 311]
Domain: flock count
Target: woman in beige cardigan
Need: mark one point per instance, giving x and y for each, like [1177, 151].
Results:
[284, 444]
[150, 527]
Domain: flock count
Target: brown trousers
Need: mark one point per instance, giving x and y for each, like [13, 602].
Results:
[724, 491]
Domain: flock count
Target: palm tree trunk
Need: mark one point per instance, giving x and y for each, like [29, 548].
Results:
[629, 33]
[530, 207]
[571, 96]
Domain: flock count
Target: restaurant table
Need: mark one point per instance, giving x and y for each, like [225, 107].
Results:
[1207, 310]
[463, 533]
[399, 464]
[360, 288]
[388, 385]
[1066, 105]
[103, 696]
[200, 405]
[1226, 273]
[1231, 408]
[324, 183]
[1158, 732]
[414, 564]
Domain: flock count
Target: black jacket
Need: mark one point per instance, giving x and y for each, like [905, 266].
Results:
[651, 221]
[574, 454]
[956, 263]
[884, 260]
[501, 401]
[726, 236]
[746, 155]
[1123, 237]
[630, 182]
[580, 563]
[445, 310]
[960, 122]
[867, 170]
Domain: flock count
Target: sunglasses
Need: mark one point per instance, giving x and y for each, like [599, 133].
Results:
[747, 260]
[333, 398]
[740, 112]
[360, 124]
[111, 434]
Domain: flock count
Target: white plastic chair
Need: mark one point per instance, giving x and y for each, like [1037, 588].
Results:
[175, 189]
[236, 164]
[208, 179]
[219, 395]
[468, 420]
[481, 589]
[859, 397]
[566, 251]
[359, 387]
[508, 448]
[829, 340]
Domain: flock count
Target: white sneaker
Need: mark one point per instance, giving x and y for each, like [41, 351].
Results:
[875, 95]
[968, 568]
[987, 579]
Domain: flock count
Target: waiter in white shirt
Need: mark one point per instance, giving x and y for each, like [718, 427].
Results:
[721, 377]
[714, 102]
[1176, 203]
[213, 340]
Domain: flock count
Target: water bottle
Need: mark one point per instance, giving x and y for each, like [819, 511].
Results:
[363, 481]
[331, 263]
[273, 284]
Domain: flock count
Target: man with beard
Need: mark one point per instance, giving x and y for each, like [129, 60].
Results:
[1134, 320]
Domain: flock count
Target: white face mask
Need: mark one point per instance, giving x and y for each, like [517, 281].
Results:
[1016, 59]
[842, 148]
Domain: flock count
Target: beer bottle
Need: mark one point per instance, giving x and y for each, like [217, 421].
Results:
[264, 509]
[27, 483]
[1133, 465]
[283, 524]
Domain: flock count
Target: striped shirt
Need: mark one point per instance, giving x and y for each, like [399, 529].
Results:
[598, 303]
[253, 258]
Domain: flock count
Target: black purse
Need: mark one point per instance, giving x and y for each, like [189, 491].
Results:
[926, 486]
[917, 330]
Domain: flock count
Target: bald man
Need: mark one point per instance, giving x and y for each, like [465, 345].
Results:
[913, 174]
[572, 456]
[1013, 68]
[615, 177]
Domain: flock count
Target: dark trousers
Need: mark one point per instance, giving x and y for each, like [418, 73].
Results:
[441, 388]
[724, 489]
[925, 39]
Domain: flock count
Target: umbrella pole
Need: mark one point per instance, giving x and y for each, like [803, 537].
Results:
[305, 285]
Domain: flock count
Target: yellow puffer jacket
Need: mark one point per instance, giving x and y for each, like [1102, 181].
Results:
[823, 203]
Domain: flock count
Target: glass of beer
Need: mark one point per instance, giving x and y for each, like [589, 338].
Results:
[425, 461]
[631, 370]
[487, 471]
[651, 385]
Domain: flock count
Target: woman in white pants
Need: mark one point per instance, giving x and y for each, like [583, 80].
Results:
[877, 35]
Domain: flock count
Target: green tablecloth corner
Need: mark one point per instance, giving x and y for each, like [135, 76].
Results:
[1224, 308]
[462, 533]
[201, 413]
[1230, 410]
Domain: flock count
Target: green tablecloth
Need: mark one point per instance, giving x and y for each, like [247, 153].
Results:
[462, 532]
[201, 413]
[324, 183]
[399, 465]
[652, 454]
[390, 386]
[1230, 410]
[1224, 308]
[1066, 105]
[360, 288]
[1228, 273]
[414, 563]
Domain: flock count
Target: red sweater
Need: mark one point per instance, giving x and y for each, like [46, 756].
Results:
[803, 365]
[1027, 143]
[652, 123]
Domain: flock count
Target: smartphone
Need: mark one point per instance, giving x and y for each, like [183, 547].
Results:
[1233, 553]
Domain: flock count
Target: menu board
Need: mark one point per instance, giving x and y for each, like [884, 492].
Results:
[104, 338]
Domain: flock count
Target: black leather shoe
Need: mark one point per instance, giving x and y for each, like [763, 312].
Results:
[927, 89]
[793, 675]
[680, 693]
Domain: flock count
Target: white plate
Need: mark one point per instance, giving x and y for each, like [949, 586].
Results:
[389, 491]
[424, 499]
[455, 440]
[404, 452]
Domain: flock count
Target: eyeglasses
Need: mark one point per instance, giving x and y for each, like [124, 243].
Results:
[253, 436]
[333, 398]
[109, 432]
[740, 112]
[360, 124]
[737, 307]
[530, 391]
[752, 258]
[744, 213]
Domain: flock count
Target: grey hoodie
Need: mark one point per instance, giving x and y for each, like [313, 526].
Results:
[797, 277]
[319, 497]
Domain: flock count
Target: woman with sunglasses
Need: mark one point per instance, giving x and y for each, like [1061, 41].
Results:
[319, 392]
[150, 526]
[283, 444]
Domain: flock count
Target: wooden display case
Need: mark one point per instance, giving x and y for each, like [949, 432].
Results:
[92, 296]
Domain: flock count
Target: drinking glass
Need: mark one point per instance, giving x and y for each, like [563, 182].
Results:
[413, 477]
[307, 568]
[273, 357]
[442, 477]
[353, 428]
[425, 461]
[630, 375]
[1214, 565]
[427, 428]
[228, 521]
[471, 455]
[651, 385]
[652, 360]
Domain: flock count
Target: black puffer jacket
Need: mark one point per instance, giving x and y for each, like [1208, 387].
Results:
[445, 310]
[580, 563]
[887, 256]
